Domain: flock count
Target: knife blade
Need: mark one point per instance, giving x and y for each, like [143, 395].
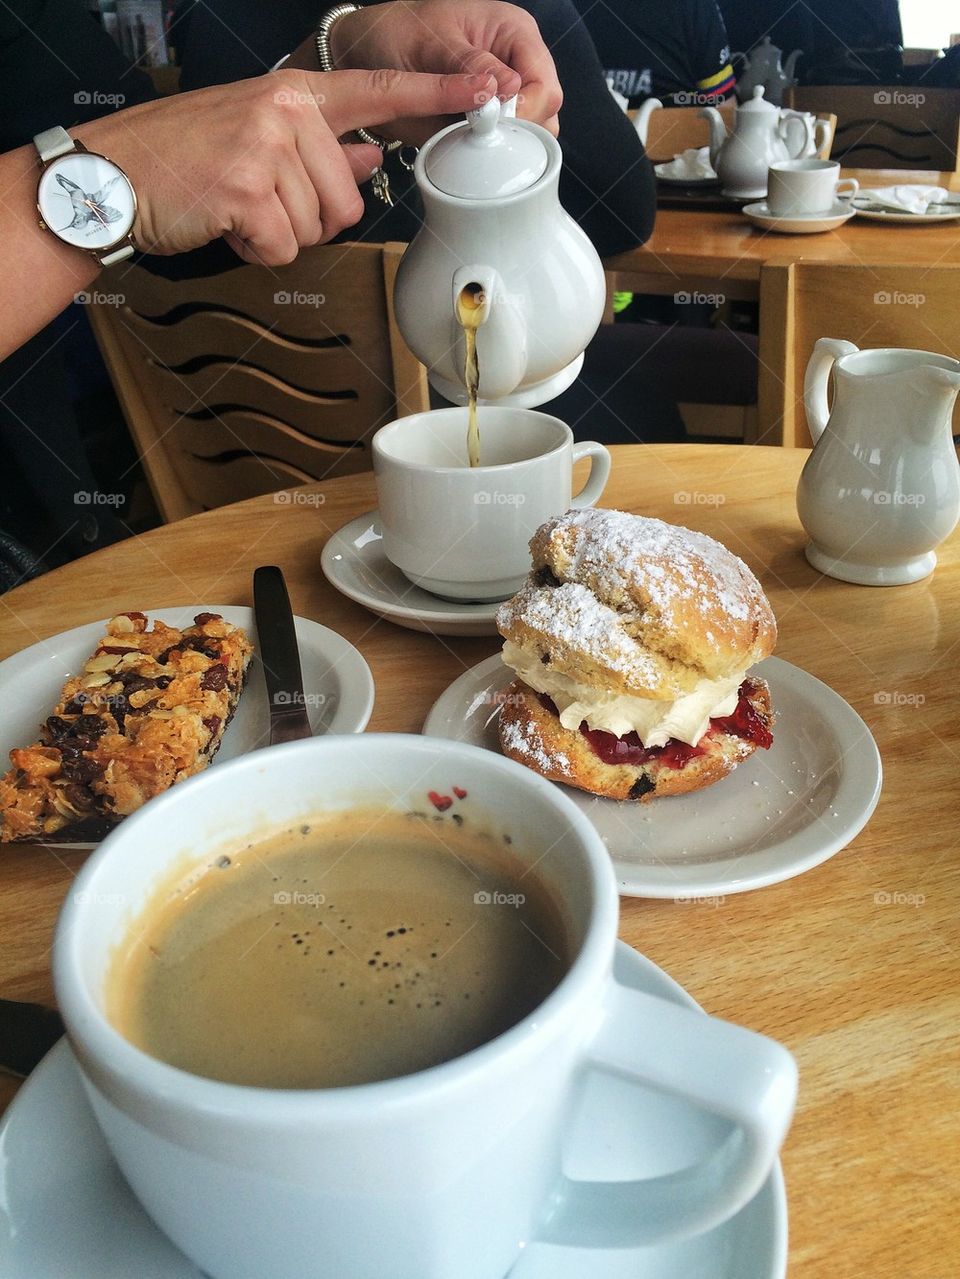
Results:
[27, 1033]
[279, 656]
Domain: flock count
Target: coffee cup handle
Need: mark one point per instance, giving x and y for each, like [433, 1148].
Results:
[599, 472]
[847, 188]
[745, 1078]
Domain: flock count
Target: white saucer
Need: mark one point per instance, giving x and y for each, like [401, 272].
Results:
[799, 223]
[337, 683]
[948, 211]
[354, 563]
[780, 813]
[67, 1213]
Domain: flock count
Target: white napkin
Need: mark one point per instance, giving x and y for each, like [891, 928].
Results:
[693, 165]
[908, 198]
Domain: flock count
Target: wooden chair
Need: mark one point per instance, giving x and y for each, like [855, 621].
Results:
[670, 130]
[904, 306]
[888, 127]
[260, 378]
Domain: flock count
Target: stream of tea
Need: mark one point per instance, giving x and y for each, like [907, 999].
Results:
[471, 306]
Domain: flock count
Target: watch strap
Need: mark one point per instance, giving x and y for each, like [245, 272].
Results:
[119, 254]
[52, 143]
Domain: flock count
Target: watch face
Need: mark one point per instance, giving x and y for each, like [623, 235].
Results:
[86, 200]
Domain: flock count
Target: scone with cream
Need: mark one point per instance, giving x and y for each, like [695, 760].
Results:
[631, 640]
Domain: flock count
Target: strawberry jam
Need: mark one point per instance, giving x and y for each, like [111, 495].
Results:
[628, 749]
[745, 722]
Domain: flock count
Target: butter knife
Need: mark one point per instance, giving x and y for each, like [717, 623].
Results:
[27, 1033]
[279, 656]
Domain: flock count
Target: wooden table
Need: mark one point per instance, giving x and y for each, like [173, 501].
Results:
[709, 252]
[721, 255]
[855, 965]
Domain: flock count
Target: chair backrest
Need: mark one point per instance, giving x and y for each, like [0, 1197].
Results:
[888, 127]
[260, 378]
[873, 306]
[671, 130]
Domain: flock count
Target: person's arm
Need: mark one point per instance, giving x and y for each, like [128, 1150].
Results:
[711, 68]
[607, 182]
[258, 163]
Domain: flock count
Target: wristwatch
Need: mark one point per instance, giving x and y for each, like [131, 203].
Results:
[84, 199]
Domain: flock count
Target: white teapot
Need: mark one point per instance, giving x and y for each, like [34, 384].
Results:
[762, 135]
[493, 220]
[762, 66]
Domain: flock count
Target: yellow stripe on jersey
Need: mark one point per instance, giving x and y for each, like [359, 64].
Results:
[725, 73]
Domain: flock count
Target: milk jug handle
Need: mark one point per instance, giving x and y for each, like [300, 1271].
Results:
[816, 380]
[802, 129]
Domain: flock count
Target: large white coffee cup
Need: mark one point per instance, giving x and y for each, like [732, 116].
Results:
[460, 531]
[443, 1174]
[806, 186]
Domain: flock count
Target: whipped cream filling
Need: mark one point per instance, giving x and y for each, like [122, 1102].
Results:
[655, 722]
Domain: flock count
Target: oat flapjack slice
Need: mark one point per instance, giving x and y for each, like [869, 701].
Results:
[149, 708]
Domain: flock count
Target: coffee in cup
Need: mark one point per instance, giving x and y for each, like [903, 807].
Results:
[806, 187]
[448, 1170]
[461, 531]
[353, 947]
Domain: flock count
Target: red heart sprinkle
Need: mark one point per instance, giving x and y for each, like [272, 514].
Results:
[440, 802]
[459, 792]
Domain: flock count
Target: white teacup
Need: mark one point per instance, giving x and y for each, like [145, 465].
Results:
[806, 186]
[460, 531]
[445, 1173]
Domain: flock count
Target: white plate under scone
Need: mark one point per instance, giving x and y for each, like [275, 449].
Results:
[778, 814]
[66, 1210]
[799, 223]
[337, 683]
[354, 563]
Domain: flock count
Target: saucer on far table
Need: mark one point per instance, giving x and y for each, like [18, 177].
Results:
[354, 563]
[799, 223]
[65, 1208]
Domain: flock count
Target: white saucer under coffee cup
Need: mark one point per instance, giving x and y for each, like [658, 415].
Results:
[447, 1172]
[462, 532]
[806, 186]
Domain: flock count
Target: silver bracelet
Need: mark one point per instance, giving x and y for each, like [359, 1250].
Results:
[324, 28]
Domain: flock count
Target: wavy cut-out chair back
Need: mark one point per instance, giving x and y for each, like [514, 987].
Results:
[258, 379]
[888, 127]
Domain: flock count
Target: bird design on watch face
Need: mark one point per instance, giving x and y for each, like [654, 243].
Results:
[89, 206]
[86, 200]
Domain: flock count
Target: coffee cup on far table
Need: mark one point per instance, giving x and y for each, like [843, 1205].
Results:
[806, 186]
[435, 1147]
[461, 532]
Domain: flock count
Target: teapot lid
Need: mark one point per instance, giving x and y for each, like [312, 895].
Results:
[488, 156]
[755, 104]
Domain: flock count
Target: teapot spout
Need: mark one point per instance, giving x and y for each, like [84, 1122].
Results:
[642, 121]
[718, 131]
[481, 302]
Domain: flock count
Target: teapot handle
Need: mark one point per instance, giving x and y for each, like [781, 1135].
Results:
[816, 379]
[806, 144]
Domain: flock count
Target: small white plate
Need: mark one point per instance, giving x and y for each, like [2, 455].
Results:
[354, 562]
[799, 223]
[671, 181]
[948, 211]
[780, 813]
[337, 683]
[65, 1209]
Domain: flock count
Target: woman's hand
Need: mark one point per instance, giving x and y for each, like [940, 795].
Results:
[259, 162]
[485, 37]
